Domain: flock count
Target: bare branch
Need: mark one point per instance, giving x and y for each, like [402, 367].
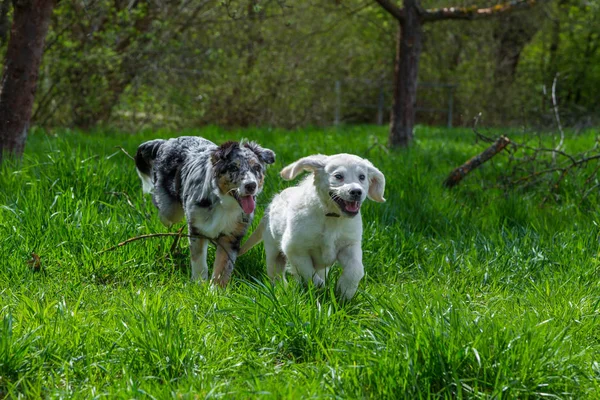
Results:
[557, 116]
[473, 12]
[459, 173]
[176, 241]
[125, 151]
[531, 164]
[392, 8]
[478, 134]
[141, 237]
[178, 235]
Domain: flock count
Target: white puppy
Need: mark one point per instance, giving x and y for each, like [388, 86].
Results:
[318, 222]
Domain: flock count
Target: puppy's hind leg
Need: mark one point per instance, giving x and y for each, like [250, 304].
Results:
[198, 252]
[276, 266]
[304, 267]
[275, 259]
[323, 273]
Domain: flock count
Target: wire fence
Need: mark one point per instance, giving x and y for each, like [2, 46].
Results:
[380, 100]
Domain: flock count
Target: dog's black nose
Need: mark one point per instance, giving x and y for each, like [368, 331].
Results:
[250, 187]
[356, 192]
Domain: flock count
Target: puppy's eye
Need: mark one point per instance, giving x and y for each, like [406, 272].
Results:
[257, 168]
[339, 176]
[233, 168]
[361, 177]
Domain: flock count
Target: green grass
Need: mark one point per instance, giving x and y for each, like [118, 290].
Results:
[469, 293]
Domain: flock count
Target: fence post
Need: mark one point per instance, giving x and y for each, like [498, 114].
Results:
[338, 102]
[380, 106]
[450, 105]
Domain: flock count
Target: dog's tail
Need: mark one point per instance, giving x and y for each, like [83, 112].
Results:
[144, 159]
[256, 237]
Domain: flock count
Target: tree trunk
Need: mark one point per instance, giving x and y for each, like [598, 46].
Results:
[408, 52]
[31, 19]
[513, 33]
[410, 44]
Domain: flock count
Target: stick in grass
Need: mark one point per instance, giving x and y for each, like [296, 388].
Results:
[125, 151]
[459, 173]
[176, 241]
[154, 235]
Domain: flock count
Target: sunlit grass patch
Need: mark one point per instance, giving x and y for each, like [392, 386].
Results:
[471, 292]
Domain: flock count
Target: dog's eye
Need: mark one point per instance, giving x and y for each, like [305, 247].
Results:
[233, 168]
[339, 176]
[257, 168]
[361, 177]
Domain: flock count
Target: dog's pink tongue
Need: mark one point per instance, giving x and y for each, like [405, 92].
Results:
[352, 206]
[248, 204]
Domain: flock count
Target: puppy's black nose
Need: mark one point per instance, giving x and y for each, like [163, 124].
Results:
[356, 192]
[250, 187]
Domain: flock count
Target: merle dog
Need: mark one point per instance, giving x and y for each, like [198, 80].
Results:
[214, 187]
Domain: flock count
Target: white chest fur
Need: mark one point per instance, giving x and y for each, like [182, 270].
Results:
[321, 236]
[222, 218]
[337, 233]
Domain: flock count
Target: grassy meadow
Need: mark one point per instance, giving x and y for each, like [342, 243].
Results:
[468, 293]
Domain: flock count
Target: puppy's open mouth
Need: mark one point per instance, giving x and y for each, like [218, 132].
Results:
[349, 207]
[248, 203]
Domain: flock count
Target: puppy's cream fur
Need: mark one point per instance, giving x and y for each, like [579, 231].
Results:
[318, 222]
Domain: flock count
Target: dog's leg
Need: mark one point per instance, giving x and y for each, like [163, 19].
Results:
[276, 266]
[170, 211]
[275, 259]
[353, 270]
[198, 252]
[227, 249]
[304, 267]
[323, 272]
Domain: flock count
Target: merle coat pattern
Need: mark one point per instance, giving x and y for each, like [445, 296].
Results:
[213, 187]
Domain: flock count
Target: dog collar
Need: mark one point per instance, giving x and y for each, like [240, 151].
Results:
[333, 215]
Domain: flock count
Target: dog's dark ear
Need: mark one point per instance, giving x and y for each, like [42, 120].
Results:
[310, 163]
[223, 151]
[265, 155]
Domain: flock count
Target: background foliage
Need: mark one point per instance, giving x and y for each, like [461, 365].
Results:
[187, 63]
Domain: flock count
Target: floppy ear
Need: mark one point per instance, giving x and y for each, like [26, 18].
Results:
[376, 183]
[223, 151]
[265, 155]
[310, 163]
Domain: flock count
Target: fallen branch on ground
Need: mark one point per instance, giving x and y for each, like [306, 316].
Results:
[136, 238]
[177, 236]
[535, 165]
[459, 173]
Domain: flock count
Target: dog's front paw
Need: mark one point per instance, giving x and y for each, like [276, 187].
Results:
[199, 277]
[221, 280]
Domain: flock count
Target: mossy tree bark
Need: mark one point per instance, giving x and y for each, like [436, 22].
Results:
[31, 19]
